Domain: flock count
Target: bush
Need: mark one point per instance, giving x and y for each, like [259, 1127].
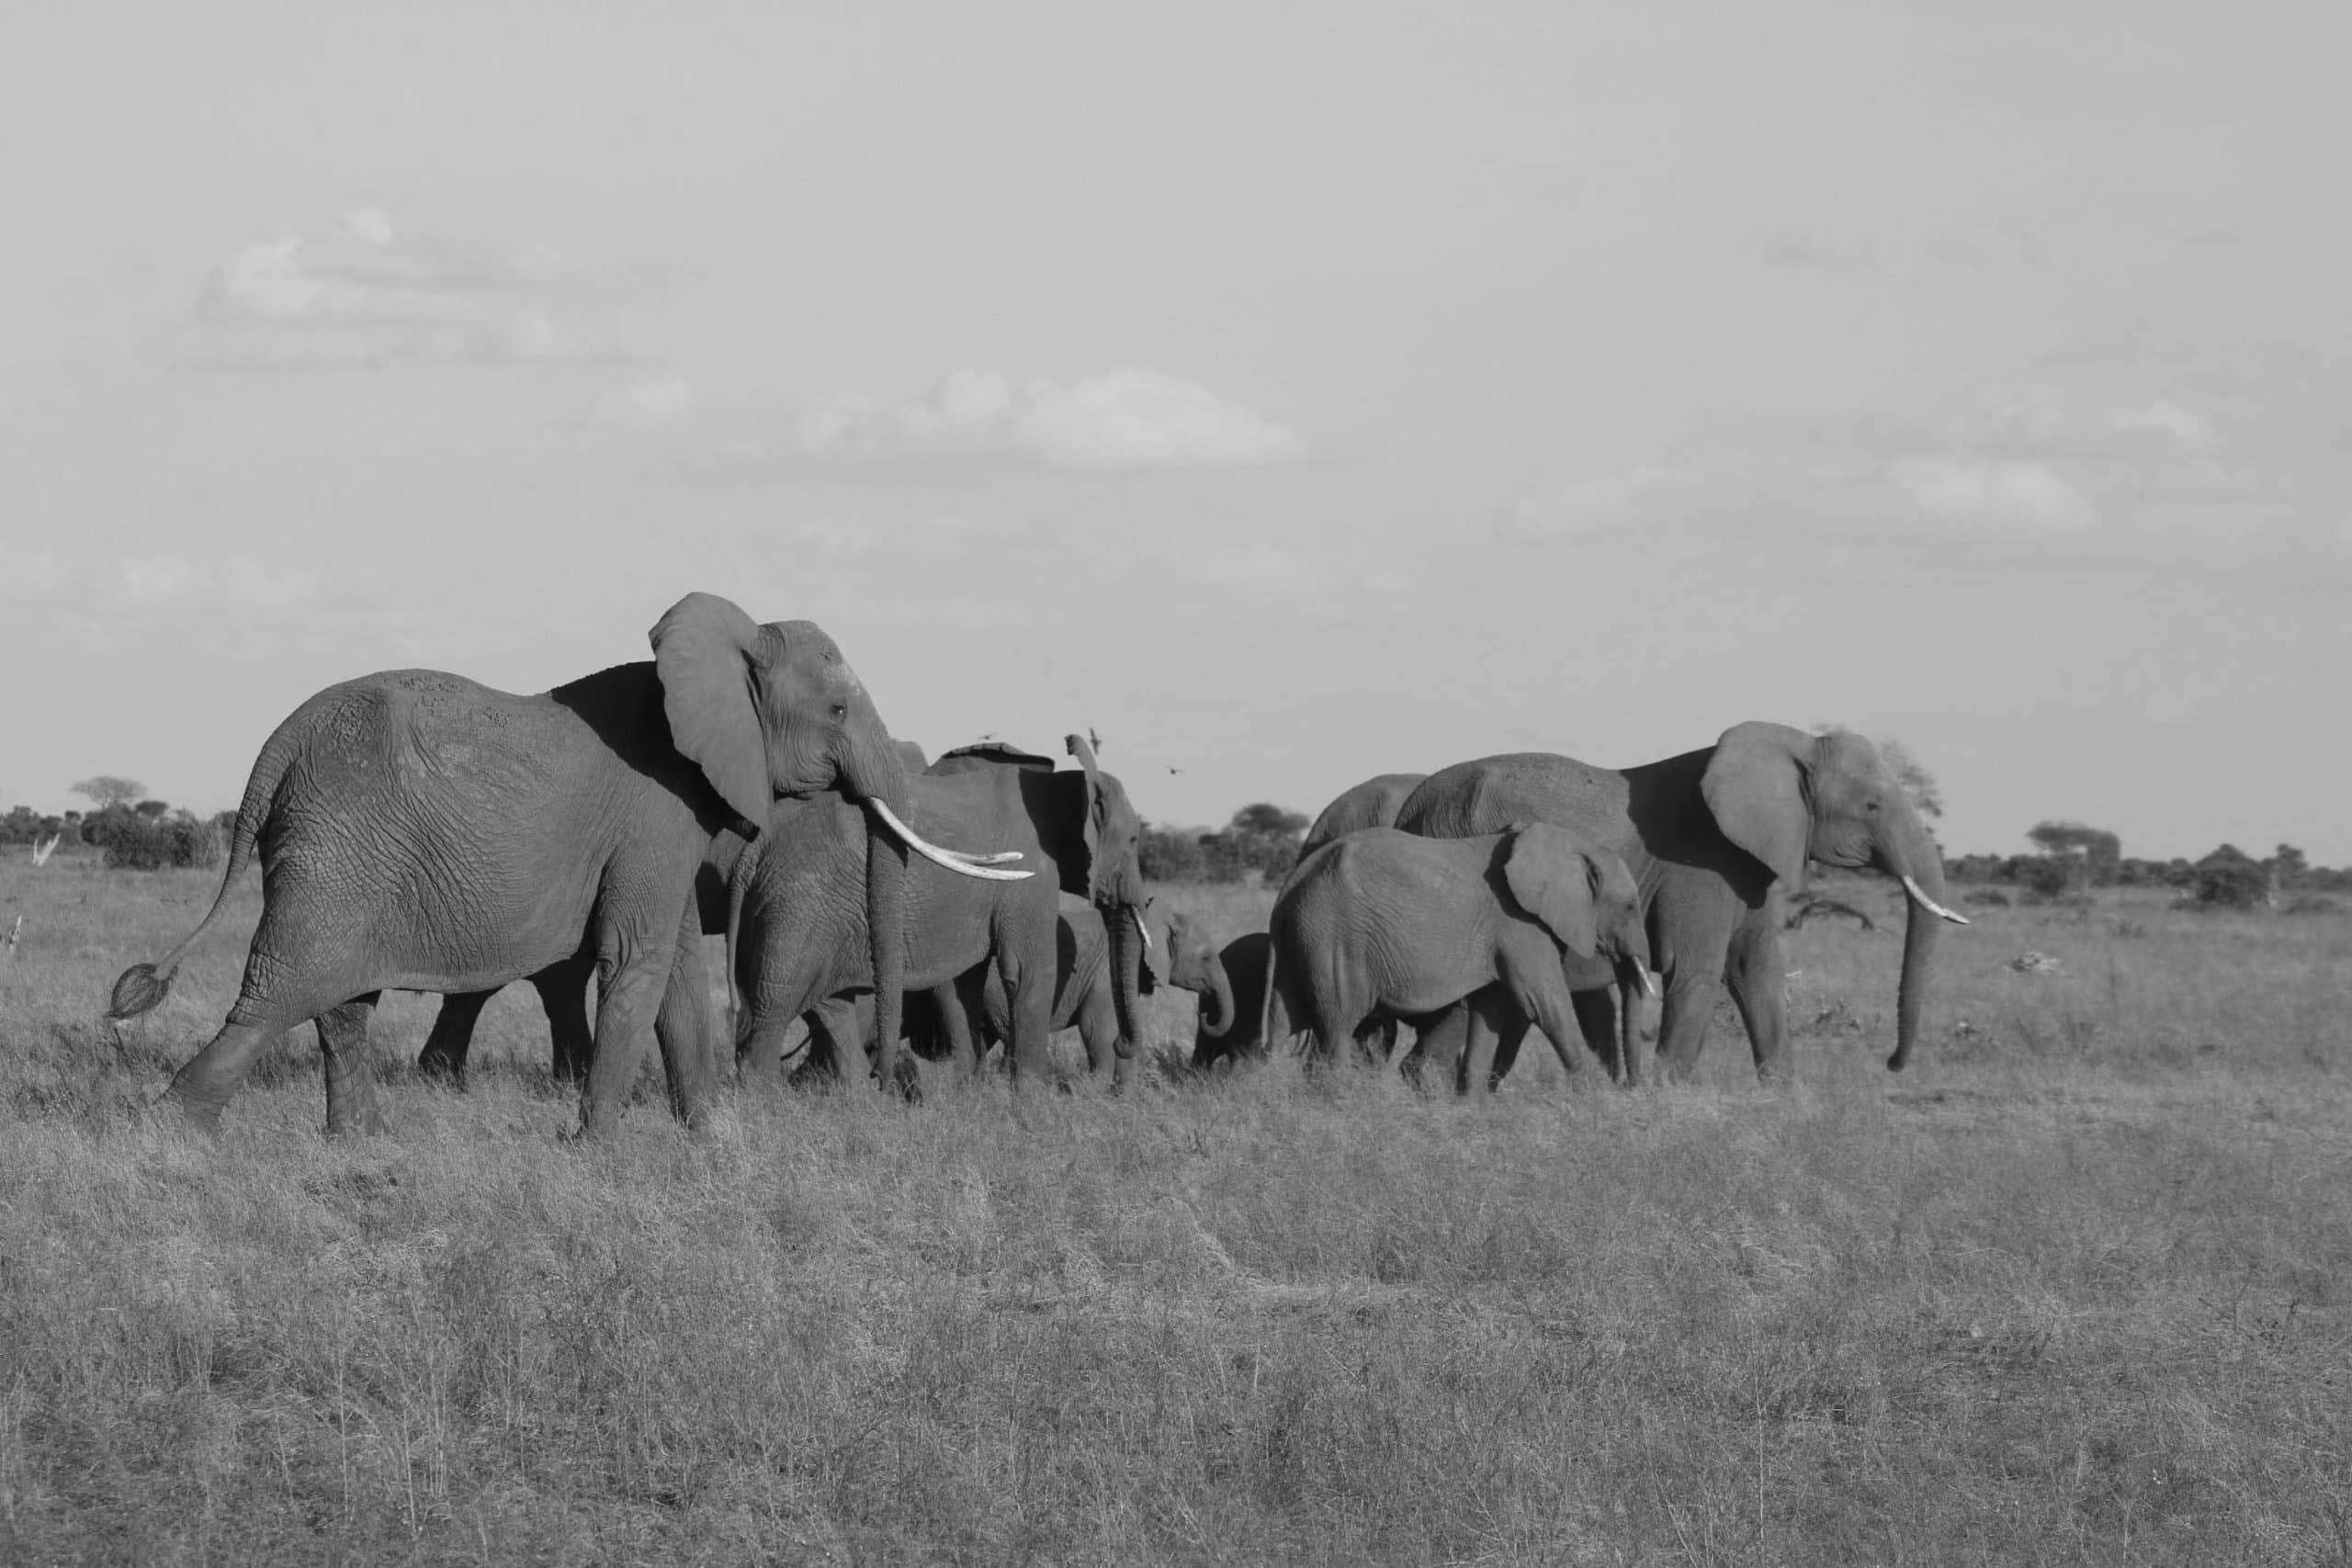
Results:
[2230, 886]
[2046, 877]
[1987, 897]
[134, 842]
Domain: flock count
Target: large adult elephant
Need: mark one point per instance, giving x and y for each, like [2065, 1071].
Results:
[1709, 835]
[420, 832]
[1371, 804]
[798, 940]
[563, 987]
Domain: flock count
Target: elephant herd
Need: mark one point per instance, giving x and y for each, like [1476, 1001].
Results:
[419, 832]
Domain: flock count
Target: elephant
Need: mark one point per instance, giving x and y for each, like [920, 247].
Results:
[1231, 983]
[1384, 924]
[563, 987]
[418, 831]
[1371, 804]
[1085, 998]
[1711, 836]
[797, 933]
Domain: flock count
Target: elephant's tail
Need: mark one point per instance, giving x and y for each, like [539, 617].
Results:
[142, 985]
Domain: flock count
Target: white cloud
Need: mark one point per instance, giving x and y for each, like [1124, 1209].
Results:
[1592, 506]
[2188, 430]
[1997, 492]
[367, 292]
[656, 400]
[147, 579]
[1118, 421]
[44, 576]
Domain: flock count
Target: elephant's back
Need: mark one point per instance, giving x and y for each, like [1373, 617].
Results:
[1371, 804]
[1490, 794]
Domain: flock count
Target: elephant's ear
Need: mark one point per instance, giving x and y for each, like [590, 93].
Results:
[1097, 814]
[702, 650]
[1555, 881]
[1755, 786]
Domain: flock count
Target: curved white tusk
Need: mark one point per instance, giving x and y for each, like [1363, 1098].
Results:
[1931, 904]
[1143, 928]
[1000, 858]
[1642, 976]
[933, 852]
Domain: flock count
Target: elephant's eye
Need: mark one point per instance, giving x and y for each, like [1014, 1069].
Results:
[841, 710]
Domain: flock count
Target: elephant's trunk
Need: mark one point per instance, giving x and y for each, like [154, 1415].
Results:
[1124, 922]
[874, 773]
[1910, 855]
[1216, 1012]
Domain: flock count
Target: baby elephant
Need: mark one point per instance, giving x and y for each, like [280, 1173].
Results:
[1230, 981]
[1381, 925]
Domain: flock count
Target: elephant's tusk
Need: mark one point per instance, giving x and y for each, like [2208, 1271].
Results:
[1142, 928]
[1642, 981]
[1929, 905]
[934, 854]
[1000, 858]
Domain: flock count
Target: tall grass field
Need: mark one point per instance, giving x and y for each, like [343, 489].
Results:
[2076, 1289]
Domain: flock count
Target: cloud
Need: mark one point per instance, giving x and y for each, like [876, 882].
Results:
[1993, 492]
[145, 579]
[655, 401]
[365, 291]
[974, 423]
[1601, 505]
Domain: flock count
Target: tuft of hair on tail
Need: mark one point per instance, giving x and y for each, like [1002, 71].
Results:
[138, 988]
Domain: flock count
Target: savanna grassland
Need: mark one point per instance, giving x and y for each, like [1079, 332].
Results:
[2076, 1289]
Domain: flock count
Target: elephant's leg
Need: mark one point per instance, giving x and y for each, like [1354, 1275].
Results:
[353, 1104]
[686, 1027]
[451, 1041]
[1439, 1040]
[1097, 1018]
[563, 996]
[1541, 993]
[1629, 1041]
[836, 1044]
[975, 1020]
[1756, 974]
[634, 957]
[1597, 1019]
[1683, 1015]
[294, 972]
[1491, 1030]
[1029, 998]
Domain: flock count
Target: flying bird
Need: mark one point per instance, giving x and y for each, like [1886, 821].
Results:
[1175, 769]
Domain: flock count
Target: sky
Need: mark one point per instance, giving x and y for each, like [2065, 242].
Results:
[1289, 392]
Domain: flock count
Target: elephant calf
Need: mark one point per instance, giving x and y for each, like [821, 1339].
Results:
[1384, 925]
[1230, 981]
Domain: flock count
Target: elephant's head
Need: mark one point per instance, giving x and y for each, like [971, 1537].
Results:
[775, 711]
[1582, 894]
[1787, 798]
[1107, 869]
[1194, 963]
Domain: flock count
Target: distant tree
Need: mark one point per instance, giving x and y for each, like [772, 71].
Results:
[2096, 851]
[106, 791]
[151, 809]
[2229, 878]
[2287, 867]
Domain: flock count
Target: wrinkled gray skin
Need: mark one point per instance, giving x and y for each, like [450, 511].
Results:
[1371, 804]
[1382, 924]
[1708, 836]
[418, 831]
[798, 938]
[1231, 983]
[563, 988]
[1085, 998]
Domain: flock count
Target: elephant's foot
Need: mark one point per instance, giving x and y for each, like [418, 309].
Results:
[201, 1113]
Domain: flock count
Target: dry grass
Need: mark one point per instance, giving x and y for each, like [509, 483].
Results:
[2077, 1289]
